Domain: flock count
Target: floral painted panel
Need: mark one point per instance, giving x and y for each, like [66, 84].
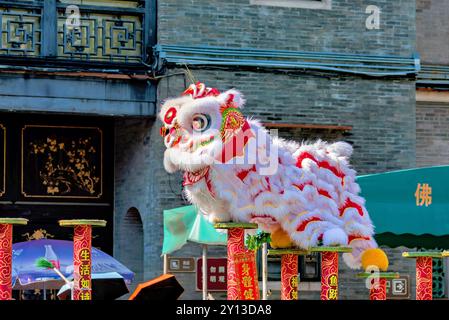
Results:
[62, 162]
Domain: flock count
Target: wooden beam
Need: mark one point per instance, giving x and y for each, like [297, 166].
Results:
[432, 96]
[307, 126]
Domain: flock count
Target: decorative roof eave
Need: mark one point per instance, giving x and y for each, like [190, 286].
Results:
[325, 62]
[433, 76]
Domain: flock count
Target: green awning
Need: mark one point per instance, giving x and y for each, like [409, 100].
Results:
[186, 224]
[409, 207]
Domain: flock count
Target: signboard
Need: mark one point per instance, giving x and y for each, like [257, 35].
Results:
[246, 274]
[178, 264]
[398, 288]
[216, 274]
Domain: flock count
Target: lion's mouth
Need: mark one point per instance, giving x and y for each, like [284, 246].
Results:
[193, 146]
[193, 177]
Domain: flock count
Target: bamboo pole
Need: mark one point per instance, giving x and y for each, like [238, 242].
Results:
[204, 269]
[264, 271]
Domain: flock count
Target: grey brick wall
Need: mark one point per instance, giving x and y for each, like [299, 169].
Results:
[432, 135]
[236, 23]
[142, 183]
[432, 31]
[381, 112]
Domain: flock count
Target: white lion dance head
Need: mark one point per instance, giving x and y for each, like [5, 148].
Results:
[235, 171]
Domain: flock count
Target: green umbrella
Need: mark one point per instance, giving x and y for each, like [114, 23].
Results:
[188, 224]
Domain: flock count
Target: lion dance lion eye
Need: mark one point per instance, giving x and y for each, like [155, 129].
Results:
[170, 115]
[200, 122]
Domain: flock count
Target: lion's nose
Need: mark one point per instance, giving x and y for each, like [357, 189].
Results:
[163, 131]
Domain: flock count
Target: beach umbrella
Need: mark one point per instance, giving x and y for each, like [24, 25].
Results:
[27, 275]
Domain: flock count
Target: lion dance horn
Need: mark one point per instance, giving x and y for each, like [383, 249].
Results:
[199, 90]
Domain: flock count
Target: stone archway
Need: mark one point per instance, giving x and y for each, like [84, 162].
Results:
[131, 243]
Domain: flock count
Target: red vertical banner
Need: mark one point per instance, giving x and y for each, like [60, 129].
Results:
[236, 237]
[246, 275]
[379, 290]
[329, 275]
[5, 261]
[423, 278]
[289, 277]
[82, 262]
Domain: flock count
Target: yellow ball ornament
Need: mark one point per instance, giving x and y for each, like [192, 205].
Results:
[375, 257]
[280, 240]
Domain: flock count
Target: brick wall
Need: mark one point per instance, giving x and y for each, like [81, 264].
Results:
[432, 135]
[432, 31]
[236, 23]
[381, 112]
[140, 182]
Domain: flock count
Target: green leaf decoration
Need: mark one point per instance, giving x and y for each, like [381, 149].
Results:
[256, 241]
[44, 263]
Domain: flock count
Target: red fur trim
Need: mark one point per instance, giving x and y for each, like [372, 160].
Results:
[194, 90]
[302, 185]
[230, 98]
[193, 177]
[321, 164]
[326, 165]
[304, 224]
[302, 156]
[324, 193]
[350, 204]
[209, 185]
[353, 237]
[268, 182]
[265, 216]
[320, 191]
[243, 174]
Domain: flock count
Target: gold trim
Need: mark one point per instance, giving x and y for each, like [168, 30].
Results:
[232, 225]
[17, 221]
[281, 252]
[384, 275]
[423, 254]
[82, 222]
[61, 197]
[331, 249]
[3, 191]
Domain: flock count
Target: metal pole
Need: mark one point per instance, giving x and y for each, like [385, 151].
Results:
[204, 267]
[264, 271]
[165, 264]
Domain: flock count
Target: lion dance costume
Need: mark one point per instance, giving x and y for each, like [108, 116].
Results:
[235, 171]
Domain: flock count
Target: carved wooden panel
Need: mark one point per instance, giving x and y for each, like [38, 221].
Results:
[62, 162]
[20, 31]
